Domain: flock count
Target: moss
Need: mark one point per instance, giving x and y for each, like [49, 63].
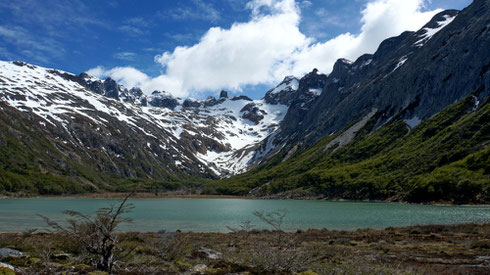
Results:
[216, 271]
[20, 261]
[82, 267]
[183, 266]
[34, 260]
[6, 271]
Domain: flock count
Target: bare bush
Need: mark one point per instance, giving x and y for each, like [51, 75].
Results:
[96, 234]
[244, 226]
[274, 218]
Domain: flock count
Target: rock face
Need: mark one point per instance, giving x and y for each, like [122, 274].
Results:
[284, 93]
[252, 113]
[162, 100]
[241, 97]
[412, 76]
[223, 94]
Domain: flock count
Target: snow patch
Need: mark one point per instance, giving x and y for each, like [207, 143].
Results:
[291, 86]
[413, 122]
[429, 33]
[316, 91]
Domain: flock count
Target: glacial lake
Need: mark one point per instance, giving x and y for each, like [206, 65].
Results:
[213, 215]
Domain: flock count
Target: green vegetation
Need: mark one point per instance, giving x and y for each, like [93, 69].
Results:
[445, 159]
[32, 164]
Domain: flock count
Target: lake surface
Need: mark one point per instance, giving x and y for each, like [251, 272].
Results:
[213, 215]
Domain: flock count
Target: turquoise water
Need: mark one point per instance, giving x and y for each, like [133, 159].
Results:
[213, 215]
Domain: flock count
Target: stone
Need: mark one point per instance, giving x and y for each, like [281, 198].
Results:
[9, 252]
[205, 252]
[200, 268]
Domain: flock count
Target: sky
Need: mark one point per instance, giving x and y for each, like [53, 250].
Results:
[196, 48]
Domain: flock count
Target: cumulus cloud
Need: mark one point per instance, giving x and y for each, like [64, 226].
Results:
[271, 46]
[380, 19]
[127, 76]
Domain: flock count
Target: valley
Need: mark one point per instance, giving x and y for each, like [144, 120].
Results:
[378, 128]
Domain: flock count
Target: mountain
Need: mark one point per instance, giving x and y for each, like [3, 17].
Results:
[85, 132]
[412, 76]
[407, 123]
[446, 159]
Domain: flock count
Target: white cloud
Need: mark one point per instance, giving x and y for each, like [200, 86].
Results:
[127, 76]
[380, 19]
[271, 46]
[306, 4]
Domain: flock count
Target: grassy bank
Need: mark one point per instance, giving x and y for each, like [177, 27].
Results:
[436, 249]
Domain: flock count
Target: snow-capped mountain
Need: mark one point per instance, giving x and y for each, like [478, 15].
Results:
[210, 138]
[124, 133]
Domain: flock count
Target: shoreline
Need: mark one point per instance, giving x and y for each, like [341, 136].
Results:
[116, 195]
[145, 196]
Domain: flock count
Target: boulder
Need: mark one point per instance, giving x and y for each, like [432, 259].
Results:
[9, 252]
[205, 252]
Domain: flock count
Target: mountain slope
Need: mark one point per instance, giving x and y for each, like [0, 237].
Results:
[445, 158]
[414, 75]
[83, 132]
[375, 128]
[361, 139]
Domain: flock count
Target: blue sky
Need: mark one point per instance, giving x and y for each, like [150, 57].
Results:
[77, 36]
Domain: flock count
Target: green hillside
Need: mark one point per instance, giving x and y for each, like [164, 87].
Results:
[32, 163]
[444, 159]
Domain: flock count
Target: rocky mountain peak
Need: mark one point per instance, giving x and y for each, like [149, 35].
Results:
[163, 100]
[313, 82]
[223, 94]
[284, 92]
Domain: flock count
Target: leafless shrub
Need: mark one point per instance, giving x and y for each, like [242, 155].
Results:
[174, 245]
[96, 234]
[244, 226]
[277, 252]
[274, 218]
